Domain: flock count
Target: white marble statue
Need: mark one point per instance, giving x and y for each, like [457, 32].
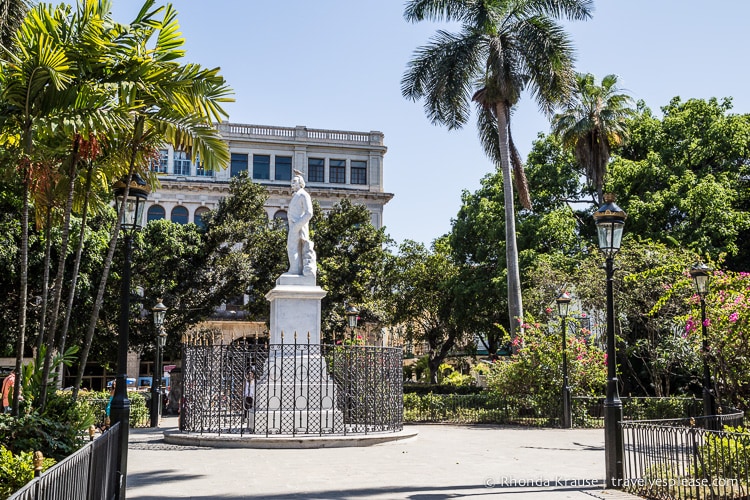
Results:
[298, 244]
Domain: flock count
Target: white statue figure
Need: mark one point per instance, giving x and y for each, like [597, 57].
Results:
[298, 244]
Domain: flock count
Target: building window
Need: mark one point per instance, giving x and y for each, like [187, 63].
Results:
[203, 172]
[180, 215]
[160, 164]
[261, 166]
[337, 171]
[200, 170]
[238, 163]
[283, 168]
[315, 169]
[181, 163]
[359, 172]
[155, 212]
[198, 217]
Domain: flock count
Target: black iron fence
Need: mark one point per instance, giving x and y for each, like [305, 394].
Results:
[484, 408]
[489, 408]
[296, 389]
[589, 411]
[687, 458]
[88, 474]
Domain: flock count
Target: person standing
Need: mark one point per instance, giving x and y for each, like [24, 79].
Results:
[8, 385]
[249, 392]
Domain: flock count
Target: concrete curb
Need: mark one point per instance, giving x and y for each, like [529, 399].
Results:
[284, 442]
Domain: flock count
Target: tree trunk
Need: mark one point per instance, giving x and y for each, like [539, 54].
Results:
[57, 292]
[515, 304]
[24, 268]
[107, 264]
[76, 266]
[45, 283]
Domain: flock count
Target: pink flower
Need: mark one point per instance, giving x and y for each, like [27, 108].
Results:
[690, 325]
[732, 317]
[707, 322]
[548, 310]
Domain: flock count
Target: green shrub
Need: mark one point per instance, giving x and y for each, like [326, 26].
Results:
[139, 412]
[17, 470]
[440, 389]
[726, 454]
[62, 408]
[29, 433]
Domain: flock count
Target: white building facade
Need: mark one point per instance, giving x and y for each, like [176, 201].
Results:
[335, 164]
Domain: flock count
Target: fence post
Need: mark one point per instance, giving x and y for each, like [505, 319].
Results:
[38, 462]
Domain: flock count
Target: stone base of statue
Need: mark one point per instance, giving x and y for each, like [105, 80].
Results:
[295, 308]
[295, 391]
[295, 394]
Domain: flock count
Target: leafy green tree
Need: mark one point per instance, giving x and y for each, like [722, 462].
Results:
[653, 356]
[351, 255]
[592, 123]
[503, 48]
[32, 90]
[685, 178]
[422, 284]
[168, 102]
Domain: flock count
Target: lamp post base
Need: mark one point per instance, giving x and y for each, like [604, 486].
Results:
[613, 443]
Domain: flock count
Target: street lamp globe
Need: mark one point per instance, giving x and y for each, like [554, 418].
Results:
[159, 310]
[610, 222]
[563, 304]
[701, 275]
[352, 315]
[135, 202]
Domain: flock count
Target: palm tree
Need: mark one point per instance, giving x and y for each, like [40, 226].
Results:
[504, 47]
[33, 79]
[12, 13]
[167, 103]
[591, 123]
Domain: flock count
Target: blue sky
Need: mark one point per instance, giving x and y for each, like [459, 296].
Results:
[337, 64]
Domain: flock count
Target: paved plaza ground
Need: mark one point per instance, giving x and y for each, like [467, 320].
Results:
[441, 462]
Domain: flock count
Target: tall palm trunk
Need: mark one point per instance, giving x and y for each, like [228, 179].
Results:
[94, 318]
[57, 292]
[76, 267]
[45, 282]
[24, 264]
[515, 305]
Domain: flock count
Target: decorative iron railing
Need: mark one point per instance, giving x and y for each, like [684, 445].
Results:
[299, 389]
[686, 458]
[88, 474]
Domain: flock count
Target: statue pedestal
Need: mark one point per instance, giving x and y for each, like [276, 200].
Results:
[295, 391]
[295, 307]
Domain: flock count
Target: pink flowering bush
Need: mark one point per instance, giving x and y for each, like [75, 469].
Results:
[728, 332]
[536, 370]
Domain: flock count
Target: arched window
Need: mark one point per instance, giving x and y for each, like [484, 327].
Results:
[155, 212]
[281, 214]
[198, 218]
[180, 215]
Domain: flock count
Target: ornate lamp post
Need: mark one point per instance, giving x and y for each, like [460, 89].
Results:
[610, 221]
[701, 275]
[159, 310]
[133, 197]
[563, 303]
[352, 315]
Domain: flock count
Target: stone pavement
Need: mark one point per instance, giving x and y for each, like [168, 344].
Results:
[442, 462]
